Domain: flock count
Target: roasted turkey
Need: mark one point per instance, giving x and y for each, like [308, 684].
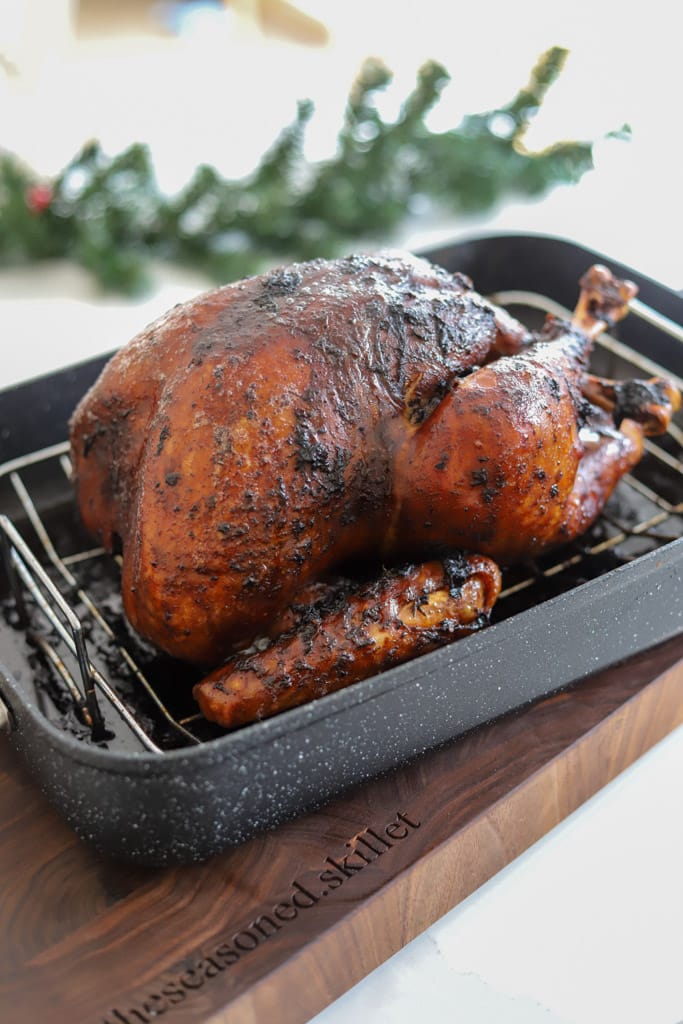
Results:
[254, 449]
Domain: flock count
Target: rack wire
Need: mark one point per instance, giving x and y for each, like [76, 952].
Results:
[59, 615]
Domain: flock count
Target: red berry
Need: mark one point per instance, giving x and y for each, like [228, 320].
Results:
[38, 198]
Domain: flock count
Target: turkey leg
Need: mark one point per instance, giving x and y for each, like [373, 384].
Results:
[503, 463]
[405, 613]
[638, 408]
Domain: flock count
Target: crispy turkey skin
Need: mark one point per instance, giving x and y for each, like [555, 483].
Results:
[256, 440]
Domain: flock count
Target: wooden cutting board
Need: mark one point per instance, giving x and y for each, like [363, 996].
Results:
[278, 928]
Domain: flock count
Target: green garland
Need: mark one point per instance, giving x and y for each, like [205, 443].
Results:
[109, 215]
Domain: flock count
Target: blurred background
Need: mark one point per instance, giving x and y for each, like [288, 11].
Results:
[215, 81]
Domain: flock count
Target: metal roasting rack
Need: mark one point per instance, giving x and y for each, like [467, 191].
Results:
[58, 614]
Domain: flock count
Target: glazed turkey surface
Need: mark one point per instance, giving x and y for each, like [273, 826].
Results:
[251, 444]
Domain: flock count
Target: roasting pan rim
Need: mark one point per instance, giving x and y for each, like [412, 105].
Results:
[543, 238]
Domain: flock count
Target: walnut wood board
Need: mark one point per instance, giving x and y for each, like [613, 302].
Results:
[279, 927]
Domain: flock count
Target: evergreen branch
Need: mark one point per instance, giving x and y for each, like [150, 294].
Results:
[109, 215]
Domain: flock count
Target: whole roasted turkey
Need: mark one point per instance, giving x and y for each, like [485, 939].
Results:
[254, 447]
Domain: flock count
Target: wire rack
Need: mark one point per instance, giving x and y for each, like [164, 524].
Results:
[94, 676]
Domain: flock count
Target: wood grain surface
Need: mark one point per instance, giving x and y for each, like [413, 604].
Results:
[279, 927]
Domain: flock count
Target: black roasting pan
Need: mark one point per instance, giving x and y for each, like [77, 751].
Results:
[186, 804]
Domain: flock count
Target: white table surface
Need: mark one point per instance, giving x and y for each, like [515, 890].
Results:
[586, 927]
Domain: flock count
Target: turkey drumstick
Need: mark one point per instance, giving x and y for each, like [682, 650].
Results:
[515, 460]
[370, 628]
